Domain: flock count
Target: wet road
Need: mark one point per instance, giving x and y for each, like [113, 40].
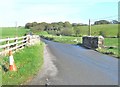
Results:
[73, 65]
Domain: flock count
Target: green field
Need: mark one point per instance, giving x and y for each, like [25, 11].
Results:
[110, 30]
[12, 32]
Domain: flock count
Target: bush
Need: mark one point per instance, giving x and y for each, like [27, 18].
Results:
[67, 32]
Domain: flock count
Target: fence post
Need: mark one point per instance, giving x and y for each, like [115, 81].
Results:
[8, 47]
[16, 45]
[28, 39]
[24, 41]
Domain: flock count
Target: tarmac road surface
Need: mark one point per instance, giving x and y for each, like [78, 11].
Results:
[66, 64]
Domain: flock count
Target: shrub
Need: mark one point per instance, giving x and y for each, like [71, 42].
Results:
[67, 32]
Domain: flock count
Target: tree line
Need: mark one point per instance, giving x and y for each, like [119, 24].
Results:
[62, 28]
[106, 22]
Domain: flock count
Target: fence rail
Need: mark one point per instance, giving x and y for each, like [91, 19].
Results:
[16, 43]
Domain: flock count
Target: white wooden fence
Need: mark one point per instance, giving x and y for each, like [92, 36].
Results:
[16, 43]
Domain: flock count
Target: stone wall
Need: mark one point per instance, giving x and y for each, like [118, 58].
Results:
[93, 42]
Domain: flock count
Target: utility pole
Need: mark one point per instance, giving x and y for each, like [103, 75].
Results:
[89, 31]
[1, 32]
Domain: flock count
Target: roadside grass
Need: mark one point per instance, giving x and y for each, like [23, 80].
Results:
[111, 47]
[12, 31]
[28, 61]
[67, 39]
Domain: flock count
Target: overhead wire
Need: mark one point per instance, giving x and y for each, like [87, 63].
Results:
[109, 18]
[105, 17]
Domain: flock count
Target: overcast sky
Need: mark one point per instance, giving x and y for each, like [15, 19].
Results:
[74, 11]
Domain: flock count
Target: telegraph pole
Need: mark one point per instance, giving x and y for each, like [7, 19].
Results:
[89, 31]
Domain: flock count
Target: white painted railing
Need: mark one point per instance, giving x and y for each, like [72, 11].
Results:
[13, 44]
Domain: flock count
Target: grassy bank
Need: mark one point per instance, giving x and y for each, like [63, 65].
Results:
[28, 62]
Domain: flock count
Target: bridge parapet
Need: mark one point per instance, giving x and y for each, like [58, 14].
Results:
[93, 42]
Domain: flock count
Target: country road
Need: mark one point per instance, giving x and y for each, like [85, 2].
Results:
[66, 64]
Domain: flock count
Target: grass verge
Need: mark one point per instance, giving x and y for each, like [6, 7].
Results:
[28, 62]
[64, 39]
[111, 47]
[68, 39]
